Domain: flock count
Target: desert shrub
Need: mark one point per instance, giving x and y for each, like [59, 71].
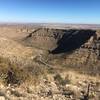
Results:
[34, 70]
[13, 75]
[67, 79]
[10, 73]
[51, 71]
[60, 80]
[35, 73]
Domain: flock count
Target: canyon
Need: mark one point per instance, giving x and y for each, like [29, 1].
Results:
[49, 62]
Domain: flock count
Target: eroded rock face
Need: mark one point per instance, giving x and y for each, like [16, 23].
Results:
[80, 46]
[73, 40]
[58, 40]
[44, 38]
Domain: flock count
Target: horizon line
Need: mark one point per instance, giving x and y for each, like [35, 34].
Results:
[49, 23]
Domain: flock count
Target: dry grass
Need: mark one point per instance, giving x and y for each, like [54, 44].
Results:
[10, 73]
[16, 52]
[19, 60]
[75, 77]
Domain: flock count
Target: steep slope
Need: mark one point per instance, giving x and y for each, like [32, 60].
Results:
[49, 39]
[44, 38]
[70, 47]
[55, 64]
[16, 52]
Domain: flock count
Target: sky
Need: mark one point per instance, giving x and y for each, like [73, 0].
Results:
[50, 11]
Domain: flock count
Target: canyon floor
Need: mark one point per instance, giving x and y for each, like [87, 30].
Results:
[49, 62]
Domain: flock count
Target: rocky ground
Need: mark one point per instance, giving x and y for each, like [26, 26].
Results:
[56, 64]
[64, 86]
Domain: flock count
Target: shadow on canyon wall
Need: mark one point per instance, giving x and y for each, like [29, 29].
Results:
[72, 40]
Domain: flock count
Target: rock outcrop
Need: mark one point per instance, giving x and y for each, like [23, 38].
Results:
[61, 40]
[78, 46]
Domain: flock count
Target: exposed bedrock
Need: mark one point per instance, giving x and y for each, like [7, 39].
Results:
[60, 40]
[73, 40]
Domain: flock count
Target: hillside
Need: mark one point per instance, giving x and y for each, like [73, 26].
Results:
[49, 63]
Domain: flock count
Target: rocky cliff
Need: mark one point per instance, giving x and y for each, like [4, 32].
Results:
[77, 47]
[50, 64]
[62, 41]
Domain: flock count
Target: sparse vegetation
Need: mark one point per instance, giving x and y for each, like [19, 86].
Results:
[26, 62]
[60, 80]
[10, 73]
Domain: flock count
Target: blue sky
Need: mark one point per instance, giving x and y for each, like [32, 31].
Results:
[44, 11]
